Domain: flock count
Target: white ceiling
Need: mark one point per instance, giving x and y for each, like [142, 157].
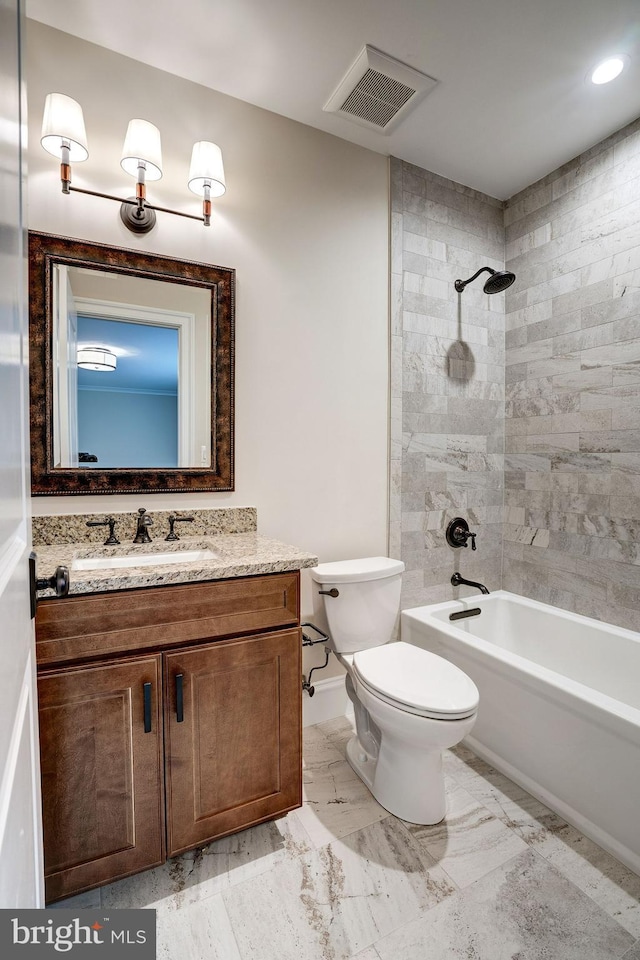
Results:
[511, 104]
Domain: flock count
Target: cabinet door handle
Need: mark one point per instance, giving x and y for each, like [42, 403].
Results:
[179, 698]
[146, 689]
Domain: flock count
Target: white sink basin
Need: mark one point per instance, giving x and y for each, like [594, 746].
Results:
[142, 559]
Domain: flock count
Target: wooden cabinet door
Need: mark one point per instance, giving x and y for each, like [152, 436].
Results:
[233, 746]
[101, 759]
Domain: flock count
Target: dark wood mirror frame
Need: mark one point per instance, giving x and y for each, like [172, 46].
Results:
[45, 250]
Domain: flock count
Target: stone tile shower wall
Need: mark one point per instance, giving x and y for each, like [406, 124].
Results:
[572, 465]
[447, 382]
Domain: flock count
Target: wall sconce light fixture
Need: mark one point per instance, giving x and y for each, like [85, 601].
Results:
[96, 358]
[64, 136]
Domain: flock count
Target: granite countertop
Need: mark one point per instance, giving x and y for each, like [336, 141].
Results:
[236, 555]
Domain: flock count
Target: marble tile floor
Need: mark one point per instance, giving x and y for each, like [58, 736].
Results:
[501, 878]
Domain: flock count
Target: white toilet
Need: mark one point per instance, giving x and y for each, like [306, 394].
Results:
[409, 704]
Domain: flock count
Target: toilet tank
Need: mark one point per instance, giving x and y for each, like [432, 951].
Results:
[364, 612]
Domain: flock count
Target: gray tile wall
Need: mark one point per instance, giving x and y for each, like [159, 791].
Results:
[569, 411]
[572, 464]
[447, 382]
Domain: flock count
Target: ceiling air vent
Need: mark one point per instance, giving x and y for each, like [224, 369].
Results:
[378, 91]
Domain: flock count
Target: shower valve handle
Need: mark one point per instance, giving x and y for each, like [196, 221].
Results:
[458, 534]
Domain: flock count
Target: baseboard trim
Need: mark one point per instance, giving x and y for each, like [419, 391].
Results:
[329, 701]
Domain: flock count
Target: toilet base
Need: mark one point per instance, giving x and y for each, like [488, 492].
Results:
[409, 787]
[360, 761]
[406, 775]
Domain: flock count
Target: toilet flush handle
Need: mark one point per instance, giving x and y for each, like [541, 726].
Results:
[329, 593]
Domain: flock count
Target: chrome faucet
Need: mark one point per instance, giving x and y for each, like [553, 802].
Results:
[144, 522]
[457, 581]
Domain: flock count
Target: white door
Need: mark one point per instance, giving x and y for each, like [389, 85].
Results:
[65, 370]
[21, 871]
[72, 376]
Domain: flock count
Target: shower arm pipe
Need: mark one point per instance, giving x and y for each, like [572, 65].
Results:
[461, 284]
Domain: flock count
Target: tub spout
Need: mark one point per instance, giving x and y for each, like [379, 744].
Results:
[457, 581]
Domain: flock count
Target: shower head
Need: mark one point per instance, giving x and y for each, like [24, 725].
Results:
[497, 282]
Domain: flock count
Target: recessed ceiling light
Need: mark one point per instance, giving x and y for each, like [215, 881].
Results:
[608, 69]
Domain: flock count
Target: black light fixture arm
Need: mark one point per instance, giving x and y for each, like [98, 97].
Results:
[134, 202]
[136, 212]
[461, 284]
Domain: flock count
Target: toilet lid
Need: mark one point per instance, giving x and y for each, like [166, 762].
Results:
[417, 680]
[357, 571]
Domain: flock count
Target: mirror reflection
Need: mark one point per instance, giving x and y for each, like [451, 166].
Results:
[131, 371]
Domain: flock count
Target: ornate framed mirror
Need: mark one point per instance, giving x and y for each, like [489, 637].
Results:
[131, 370]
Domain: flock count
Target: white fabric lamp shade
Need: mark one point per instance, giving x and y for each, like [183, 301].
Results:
[142, 142]
[207, 169]
[63, 121]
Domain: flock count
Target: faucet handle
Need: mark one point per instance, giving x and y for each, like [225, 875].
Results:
[109, 522]
[458, 533]
[173, 519]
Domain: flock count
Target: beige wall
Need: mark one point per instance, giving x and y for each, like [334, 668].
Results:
[305, 224]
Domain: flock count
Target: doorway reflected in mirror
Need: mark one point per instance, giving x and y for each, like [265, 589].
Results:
[128, 415]
[131, 377]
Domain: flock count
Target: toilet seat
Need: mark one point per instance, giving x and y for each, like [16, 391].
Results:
[416, 681]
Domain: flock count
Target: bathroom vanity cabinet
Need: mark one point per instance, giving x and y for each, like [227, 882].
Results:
[169, 716]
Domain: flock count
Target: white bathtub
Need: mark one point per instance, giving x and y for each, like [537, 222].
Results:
[559, 706]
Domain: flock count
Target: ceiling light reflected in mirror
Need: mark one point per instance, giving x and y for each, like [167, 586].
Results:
[99, 359]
